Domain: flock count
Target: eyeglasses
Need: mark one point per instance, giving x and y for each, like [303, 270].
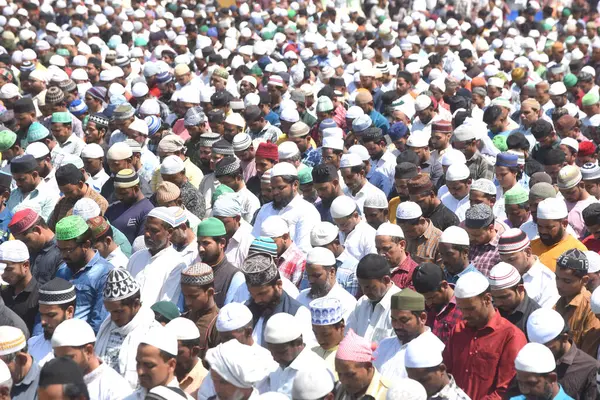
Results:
[67, 251]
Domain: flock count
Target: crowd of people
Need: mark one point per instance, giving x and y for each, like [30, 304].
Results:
[307, 200]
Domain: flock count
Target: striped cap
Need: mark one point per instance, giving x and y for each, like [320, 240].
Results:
[513, 241]
[503, 276]
[198, 274]
[57, 291]
[99, 119]
[126, 178]
[264, 245]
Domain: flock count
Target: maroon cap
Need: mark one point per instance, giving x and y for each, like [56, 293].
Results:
[442, 126]
[268, 151]
[22, 220]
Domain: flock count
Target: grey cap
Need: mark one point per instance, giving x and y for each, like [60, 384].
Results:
[542, 190]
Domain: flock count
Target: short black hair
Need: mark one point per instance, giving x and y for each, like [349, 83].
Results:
[69, 175]
[491, 114]
[541, 129]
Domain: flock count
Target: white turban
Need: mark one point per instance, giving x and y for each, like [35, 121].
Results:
[240, 365]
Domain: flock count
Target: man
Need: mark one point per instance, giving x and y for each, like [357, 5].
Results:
[591, 219]
[516, 207]
[317, 383]
[554, 240]
[228, 210]
[24, 370]
[173, 145]
[381, 160]
[422, 192]
[454, 251]
[104, 243]
[539, 281]
[371, 317]
[488, 367]
[422, 238]
[266, 156]
[284, 339]
[408, 320]
[576, 370]
[189, 369]
[183, 237]
[538, 192]
[458, 184]
[64, 128]
[62, 377]
[211, 249]
[119, 336]
[229, 172]
[483, 238]
[120, 157]
[357, 236]
[354, 366]
[288, 203]
[6, 382]
[390, 243]
[321, 268]
[358, 187]
[30, 186]
[508, 293]
[327, 184]
[157, 267]
[258, 126]
[299, 134]
[376, 211]
[577, 198]
[10, 147]
[442, 312]
[93, 157]
[244, 149]
[129, 213]
[328, 326]
[84, 267]
[75, 339]
[56, 304]
[71, 183]
[21, 294]
[172, 169]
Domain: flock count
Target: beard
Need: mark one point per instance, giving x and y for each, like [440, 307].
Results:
[319, 290]
[547, 395]
[269, 307]
[548, 240]
[278, 205]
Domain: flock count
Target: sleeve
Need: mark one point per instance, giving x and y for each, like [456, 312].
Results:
[171, 287]
[48, 207]
[237, 281]
[506, 365]
[590, 391]
[97, 311]
[304, 225]
[352, 322]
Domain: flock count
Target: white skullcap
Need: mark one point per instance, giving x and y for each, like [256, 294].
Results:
[320, 256]
[418, 139]
[73, 333]
[496, 82]
[289, 115]
[350, 160]
[183, 329]
[595, 301]
[423, 352]
[544, 325]
[119, 151]
[569, 141]
[227, 205]
[236, 119]
[455, 235]
[422, 102]
[503, 276]
[452, 157]
[376, 199]
[233, 316]
[283, 168]
[457, 172]
[408, 210]
[360, 151]
[335, 143]
[535, 358]
[140, 126]
[334, 132]
[389, 229]
[471, 284]
[92, 150]
[594, 261]
[406, 389]
[172, 165]
[140, 89]
[37, 150]
[14, 251]
[282, 328]
[354, 112]
[274, 227]
[323, 233]
[287, 150]
[86, 208]
[161, 338]
[313, 383]
[552, 208]
[342, 207]
[484, 185]
[558, 89]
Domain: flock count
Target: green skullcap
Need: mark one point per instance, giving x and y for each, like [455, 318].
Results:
[500, 142]
[7, 139]
[291, 13]
[267, 34]
[63, 52]
[71, 227]
[37, 132]
[204, 29]
[61, 118]
[570, 40]
[305, 175]
[140, 41]
[256, 71]
[167, 309]
[408, 300]
[570, 80]
[211, 227]
[516, 195]
[590, 98]
[221, 190]
[566, 12]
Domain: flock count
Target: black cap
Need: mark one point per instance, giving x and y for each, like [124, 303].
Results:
[408, 156]
[323, 173]
[215, 115]
[23, 164]
[405, 170]
[373, 266]
[24, 105]
[591, 214]
[573, 259]
[427, 277]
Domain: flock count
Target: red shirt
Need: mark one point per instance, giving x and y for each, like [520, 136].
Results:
[402, 274]
[591, 243]
[483, 361]
[442, 322]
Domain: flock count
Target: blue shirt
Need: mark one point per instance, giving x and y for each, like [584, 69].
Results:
[129, 219]
[5, 217]
[324, 211]
[311, 157]
[561, 395]
[454, 278]
[380, 121]
[273, 118]
[89, 286]
[380, 181]
[345, 274]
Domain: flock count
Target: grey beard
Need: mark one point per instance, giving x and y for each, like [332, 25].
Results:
[319, 291]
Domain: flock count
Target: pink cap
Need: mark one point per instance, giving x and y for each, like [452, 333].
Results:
[354, 348]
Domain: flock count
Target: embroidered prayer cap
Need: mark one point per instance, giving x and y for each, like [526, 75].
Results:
[62, 118]
[569, 176]
[23, 164]
[320, 256]
[161, 338]
[226, 166]
[166, 309]
[233, 316]
[211, 227]
[70, 228]
[274, 226]
[22, 221]
[284, 169]
[455, 235]
[516, 195]
[457, 172]
[37, 132]
[287, 150]
[123, 111]
[126, 178]
[120, 285]
[172, 165]
[268, 151]
[313, 383]
[408, 210]
[167, 192]
[13, 251]
[7, 139]
[241, 142]
[73, 333]
[354, 348]
[573, 259]
[227, 205]
[544, 325]
[263, 245]
[259, 269]
[183, 328]
[197, 274]
[552, 208]
[513, 240]
[282, 328]
[503, 276]
[342, 207]
[471, 284]
[86, 208]
[535, 358]
[507, 160]
[57, 291]
[220, 191]
[266, 177]
[165, 215]
[54, 95]
[423, 352]
[208, 139]
[11, 340]
[98, 225]
[484, 185]
[100, 120]
[542, 190]
[479, 216]
[590, 171]
[171, 144]
[119, 151]
[223, 147]
[326, 311]
[586, 149]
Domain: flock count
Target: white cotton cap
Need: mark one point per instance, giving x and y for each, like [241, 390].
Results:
[418, 139]
[406, 389]
[92, 150]
[360, 151]
[452, 157]
[544, 325]
[161, 338]
[274, 227]
[282, 328]
[289, 115]
[408, 210]
[535, 358]
[423, 352]
[342, 207]
[333, 143]
[354, 112]
[323, 233]
[233, 316]
[594, 261]
[73, 333]
[376, 199]
[569, 141]
[183, 329]
[552, 208]
[320, 256]
[14, 251]
[4, 372]
[313, 383]
[389, 229]
[335, 132]
[422, 102]
[464, 133]
[350, 160]
[86, 208]
[283, 168]
[37, 150]
[455, 235]
[172, 165]
[140, 89]
[287, 150]
[457, 172]
[558, 89]
[471, 284]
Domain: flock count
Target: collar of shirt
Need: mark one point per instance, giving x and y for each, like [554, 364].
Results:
[115, 253]
[447, 391]
[451, 304]
[492, 324]
[31, 375]
[160, 253]
[569, 357]
[302, 360]
[89, 265]
[374, 386]
[289, 254]
[51, 175]
[469, 268]
[49, 244]
[95, 374]
[70, 140]
[523, 305]
[244, 230]
[536, 269]
[428, 231]
[577, 300]
[193, 374]
[492, 243]
[404, 264]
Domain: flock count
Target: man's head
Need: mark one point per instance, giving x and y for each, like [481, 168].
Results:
[515, 249]
[474, 299]
[75, 339]
[17, 272]
[62, 378]
[188, 344]
[353, 171]
[410, 218]
[10, 147]
[74, 240]
[390, 243]
[62, 126]
[234, 322]
[591, 218]
[14, 352]
[321, 270]
[284, 183]
[212, 240]
[156, 358]
[158, 229]
[24, 169]
[458, 180]
[127, 186]
[424, 364]
[454, 249]
[408, 315]
[479, 224]
[71, 182]
[571, 273]
[345, 213]
[516, 202]
[536, 372]
[421, 191]
[570, 183]
[327, 321]
[121, 296]
[263, 280]
[353, 363]
[283, 338]
[546, 326]
[373, 273]
[506, 287]
[56, 304]
[197, 287]
[552, 220]
[326, 182]
[229, 172]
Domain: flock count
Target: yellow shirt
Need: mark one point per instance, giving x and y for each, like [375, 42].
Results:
[284, 138]
[377, 389]
[392, 207]
[192, 172]
[328, 356]
[549, 255]
[192, 381]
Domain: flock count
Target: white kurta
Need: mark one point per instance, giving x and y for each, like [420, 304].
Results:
[249, 202]
[347, 301]
[104, 383]
[189, 253]
[373, 323]
[458, 207]
[540, 284]
[117, 258]
[207, 186]
[239, 244]
[368, 190]
[40, 349]
[386, 165]
[361, 241]
[158, 275]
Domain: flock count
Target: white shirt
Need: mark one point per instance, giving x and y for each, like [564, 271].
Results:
[373, 323]
[249, 202]
[97, 181]
[368, 190]
[104, 383]
[158, 275]
[386, 165]
[304, 319]
[208, 184]
[458, 207]
[189, 253]
[239, 244]
[540, 284]
[531, 230]
[117, 258]
[40, 349]
[347, 301]
[140, 393]
[361, 241]
[300, 215]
